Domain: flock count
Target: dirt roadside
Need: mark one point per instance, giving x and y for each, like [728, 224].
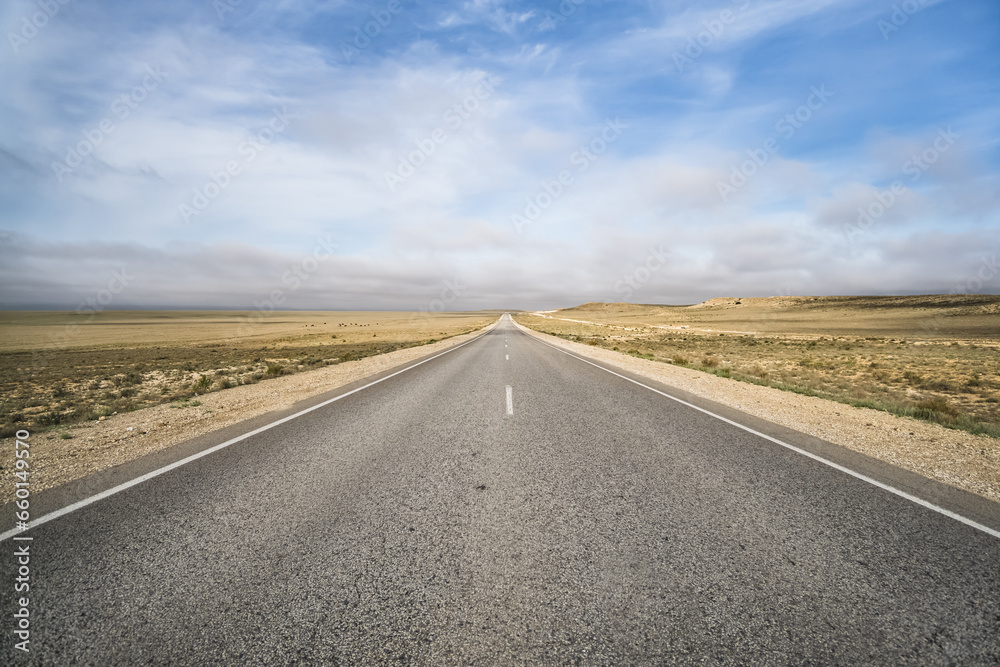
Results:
[965, 461]
[99, 445]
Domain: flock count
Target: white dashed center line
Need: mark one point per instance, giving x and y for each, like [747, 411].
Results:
[510, 400]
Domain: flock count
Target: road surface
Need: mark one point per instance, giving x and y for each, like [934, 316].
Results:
[506, 503]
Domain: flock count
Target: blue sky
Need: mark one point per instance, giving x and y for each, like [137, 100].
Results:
[376, 155]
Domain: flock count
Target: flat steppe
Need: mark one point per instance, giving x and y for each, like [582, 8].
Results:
[63, 368]
[97, 392]
[933, 357]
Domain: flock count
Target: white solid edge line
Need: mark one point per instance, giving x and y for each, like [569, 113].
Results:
[211, 450]
[510, 400]
[837, 466]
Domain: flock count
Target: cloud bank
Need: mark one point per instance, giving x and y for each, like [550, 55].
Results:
[526, 155]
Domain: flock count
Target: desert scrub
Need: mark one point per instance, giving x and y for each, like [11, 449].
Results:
[161, 361]
[878, 371]
[936, 409]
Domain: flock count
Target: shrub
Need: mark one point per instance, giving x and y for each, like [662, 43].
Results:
[274, 369]
[709, 362]
[48, 418]
[936, 409]
[98, 412]
[937, 404]
[937, 385]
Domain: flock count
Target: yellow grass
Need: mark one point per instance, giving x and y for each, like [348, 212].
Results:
[931, 357]
[64, 367]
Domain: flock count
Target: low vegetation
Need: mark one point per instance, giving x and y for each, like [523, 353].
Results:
[54, 374]
[948, 373]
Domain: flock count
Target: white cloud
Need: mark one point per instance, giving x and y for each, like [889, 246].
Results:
[325, 174]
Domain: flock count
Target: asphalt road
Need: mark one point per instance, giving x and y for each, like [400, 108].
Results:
[419, 522]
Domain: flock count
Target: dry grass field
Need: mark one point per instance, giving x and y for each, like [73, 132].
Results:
[935, 358]
[60, 368]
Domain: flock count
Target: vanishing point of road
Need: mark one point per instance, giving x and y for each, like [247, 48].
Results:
[506, 503]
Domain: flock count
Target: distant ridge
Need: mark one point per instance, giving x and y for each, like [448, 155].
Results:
[966, 304]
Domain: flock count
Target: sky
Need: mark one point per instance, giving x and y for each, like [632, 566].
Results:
[419, 155]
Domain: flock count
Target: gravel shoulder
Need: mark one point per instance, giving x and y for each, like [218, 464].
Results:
[962, 460]
[99, 445]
